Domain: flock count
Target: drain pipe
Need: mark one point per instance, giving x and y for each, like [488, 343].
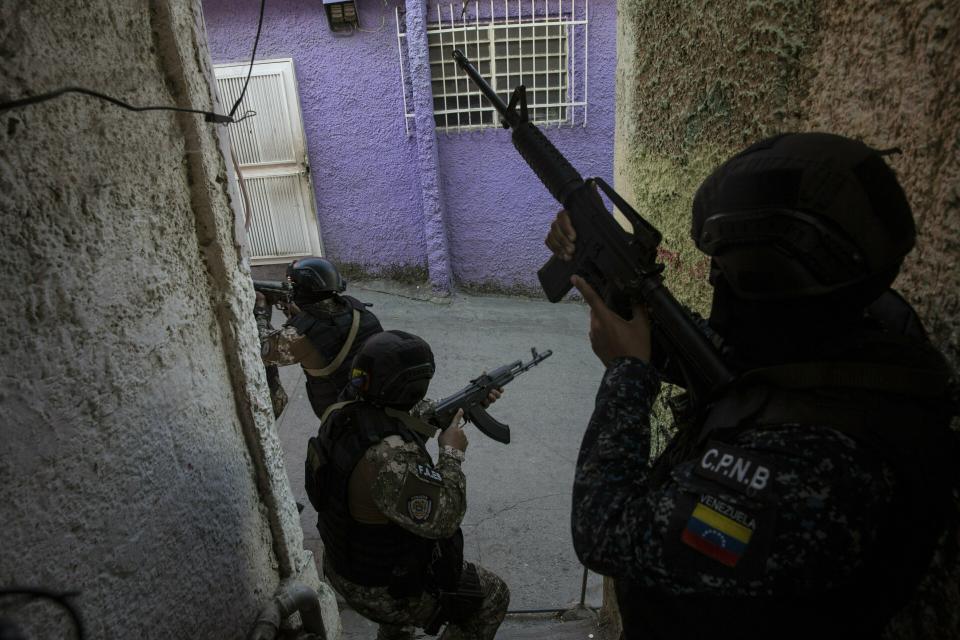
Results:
[291, 599]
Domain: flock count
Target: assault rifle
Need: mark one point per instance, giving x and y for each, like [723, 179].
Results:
[472, 397]
[621, 266]
[279, 293]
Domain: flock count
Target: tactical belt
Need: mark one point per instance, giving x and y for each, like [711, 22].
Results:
[344, 351]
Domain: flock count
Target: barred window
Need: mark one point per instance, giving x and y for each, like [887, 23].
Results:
[534, 55]
[544, 48]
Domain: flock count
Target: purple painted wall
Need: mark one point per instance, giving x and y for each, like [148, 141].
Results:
[365, 169]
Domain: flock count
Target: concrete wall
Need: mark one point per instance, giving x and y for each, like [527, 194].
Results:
[365, 169]
[139, 465]
[698, 81]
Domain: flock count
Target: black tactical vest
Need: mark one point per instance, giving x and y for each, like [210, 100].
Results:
[370, 555]
[899, 409]
[328, 332]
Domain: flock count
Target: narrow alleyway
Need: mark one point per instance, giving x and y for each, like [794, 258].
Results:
[518, 519]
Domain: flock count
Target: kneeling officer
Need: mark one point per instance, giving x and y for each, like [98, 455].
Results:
[390, 519]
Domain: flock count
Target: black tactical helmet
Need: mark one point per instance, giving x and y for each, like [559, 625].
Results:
[393, 368]
[315, 279]
[801, 216]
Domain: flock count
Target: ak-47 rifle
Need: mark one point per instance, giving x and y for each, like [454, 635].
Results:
[279, 293]
[472, 397]
[621, 266]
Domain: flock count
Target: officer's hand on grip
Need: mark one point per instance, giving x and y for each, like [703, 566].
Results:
[561, 238]
[454, 435]
[492, 397]
[610, 335]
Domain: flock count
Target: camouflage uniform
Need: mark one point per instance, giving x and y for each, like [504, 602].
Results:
[285, 346]
[380, 490]
[278, 396]
[804, 524]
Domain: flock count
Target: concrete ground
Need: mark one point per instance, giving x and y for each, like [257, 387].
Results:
[518, 517]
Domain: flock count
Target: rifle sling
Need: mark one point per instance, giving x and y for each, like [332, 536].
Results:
[850, 375]
[410, 422]
[334, 407]
[344, 350]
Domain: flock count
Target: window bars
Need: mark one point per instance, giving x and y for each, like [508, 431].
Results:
[538, 43]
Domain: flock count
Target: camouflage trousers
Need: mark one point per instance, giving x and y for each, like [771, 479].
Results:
[399, 617]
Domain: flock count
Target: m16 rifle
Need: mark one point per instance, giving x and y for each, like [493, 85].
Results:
[473, 396]
[279, 293]
[620, 265]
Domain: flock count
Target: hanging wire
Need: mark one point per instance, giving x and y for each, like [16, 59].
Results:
[208, 116]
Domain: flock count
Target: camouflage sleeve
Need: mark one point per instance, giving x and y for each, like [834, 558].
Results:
[262, 316]
[613, 464]
[424, 499]
[280, 346]
[796, 504]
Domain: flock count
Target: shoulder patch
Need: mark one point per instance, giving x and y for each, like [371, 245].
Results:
[418, 497]
[718, 536]
[736, 469]
[719, 530]
[428, 474]
[419, 507]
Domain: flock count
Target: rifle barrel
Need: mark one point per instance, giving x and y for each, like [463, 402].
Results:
[485, 88]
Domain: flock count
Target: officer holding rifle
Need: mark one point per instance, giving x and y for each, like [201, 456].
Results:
[806, 499]
[324, 331]
[388, 516]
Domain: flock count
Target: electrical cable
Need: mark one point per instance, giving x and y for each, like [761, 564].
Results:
[253, 56]
[208, 116]
[59, 598]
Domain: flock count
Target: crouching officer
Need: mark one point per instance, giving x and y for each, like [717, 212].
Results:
[324, 332]
[389, 518]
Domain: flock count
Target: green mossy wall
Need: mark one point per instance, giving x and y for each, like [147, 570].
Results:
[698, 81]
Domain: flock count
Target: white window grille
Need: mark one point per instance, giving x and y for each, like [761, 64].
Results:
[541, 44]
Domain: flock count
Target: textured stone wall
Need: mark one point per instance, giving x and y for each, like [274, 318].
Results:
[698, 81]
[139, 465]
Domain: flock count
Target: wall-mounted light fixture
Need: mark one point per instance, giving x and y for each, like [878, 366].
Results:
[342, 15]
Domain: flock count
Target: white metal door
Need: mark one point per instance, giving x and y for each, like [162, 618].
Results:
[271, 152]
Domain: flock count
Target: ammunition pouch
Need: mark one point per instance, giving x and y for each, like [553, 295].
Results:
[446, 565]
[312, 474]
[407, 577]
[458, 605]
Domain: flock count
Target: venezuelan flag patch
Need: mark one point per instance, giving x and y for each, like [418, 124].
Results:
[719, 530]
